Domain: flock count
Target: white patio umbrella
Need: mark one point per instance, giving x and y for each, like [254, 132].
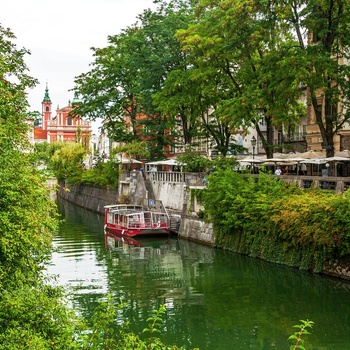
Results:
[311, 154]
[314, 161]
[130, 160]
[275, 161]
[337, 160]
[292, 155]
[255, 160]
[345, 153]
[317, 161]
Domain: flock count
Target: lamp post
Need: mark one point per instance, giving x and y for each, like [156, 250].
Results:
[253, 142]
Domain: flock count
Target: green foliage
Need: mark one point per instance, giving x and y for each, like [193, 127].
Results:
[253, 60]
[67, 161]
[222, 162]
[31, 313]
[241, 58]
[266, 218]
[134, 63]
[194, 162]
[105, 174]
[35, 317]
[297, 336]
[204, 70]
[42, 151]
[155, 322]
[25, 225]
[67, 164]
[312, 219]
[134, 149]
[104, 333]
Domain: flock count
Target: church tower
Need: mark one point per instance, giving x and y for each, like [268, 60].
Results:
[46, 109]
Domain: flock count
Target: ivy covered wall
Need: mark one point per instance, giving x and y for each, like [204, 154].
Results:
[267, 218]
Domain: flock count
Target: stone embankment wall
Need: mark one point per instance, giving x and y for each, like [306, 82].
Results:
[197, 230]
[339, 268]
[91, 198]
[176, 198]
[173, 195]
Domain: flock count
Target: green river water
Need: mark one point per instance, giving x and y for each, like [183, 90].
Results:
[214, 299]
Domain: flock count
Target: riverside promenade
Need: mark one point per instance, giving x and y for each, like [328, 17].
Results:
[337, 184]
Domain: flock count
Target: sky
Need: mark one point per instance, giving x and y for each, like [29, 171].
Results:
[60, 33]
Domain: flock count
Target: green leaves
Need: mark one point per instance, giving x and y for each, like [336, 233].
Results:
[67, 161]
[194, 162]
[31, 313]
[297, 336]
[267, 213]
[155, 321]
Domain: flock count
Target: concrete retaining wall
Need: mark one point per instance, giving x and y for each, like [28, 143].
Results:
[171, 194]
[197, 230]
[175, 198]
[88, 197]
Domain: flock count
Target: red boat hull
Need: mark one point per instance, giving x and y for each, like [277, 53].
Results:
[145, 231]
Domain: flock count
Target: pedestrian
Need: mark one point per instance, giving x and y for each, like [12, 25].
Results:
[278, 171]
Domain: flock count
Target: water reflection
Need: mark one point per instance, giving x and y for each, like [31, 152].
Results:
[215, 299]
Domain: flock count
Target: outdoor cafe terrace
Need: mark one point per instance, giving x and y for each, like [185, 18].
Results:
[308, 169]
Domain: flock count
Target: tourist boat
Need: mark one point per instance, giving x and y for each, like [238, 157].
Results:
[134, 220]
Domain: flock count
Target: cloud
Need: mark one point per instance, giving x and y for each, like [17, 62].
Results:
[60, 33]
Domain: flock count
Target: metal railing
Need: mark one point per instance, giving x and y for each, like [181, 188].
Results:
[163, 176]
[336, 184]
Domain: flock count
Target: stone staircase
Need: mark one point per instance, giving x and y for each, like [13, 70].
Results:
[175, 218]
[149, 188]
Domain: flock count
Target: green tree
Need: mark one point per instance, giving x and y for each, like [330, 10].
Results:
[31, 313]
[110, 89]
[245, 51]
[193, 161]
[167, 62]
[323, 59]
[129, 71]
[21, 190]
[67, 162]
[135, 149]
[42, 151]
[192, 99]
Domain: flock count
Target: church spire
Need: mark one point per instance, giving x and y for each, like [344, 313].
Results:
[47, 97]
[76, 99]
[46, 109]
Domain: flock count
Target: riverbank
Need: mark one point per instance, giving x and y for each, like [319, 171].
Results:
[179, 201]
[215, 299]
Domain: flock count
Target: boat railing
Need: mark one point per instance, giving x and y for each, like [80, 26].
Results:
[159, 220]
[139, 224]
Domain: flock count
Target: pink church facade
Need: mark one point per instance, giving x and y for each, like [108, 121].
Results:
[60, 126]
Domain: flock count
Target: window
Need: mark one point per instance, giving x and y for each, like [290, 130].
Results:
[69, 121]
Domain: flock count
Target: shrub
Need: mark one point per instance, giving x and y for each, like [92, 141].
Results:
[277, 222]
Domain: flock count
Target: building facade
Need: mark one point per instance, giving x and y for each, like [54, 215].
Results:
[60, 125]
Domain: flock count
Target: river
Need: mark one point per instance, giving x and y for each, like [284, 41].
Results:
[214, 299]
